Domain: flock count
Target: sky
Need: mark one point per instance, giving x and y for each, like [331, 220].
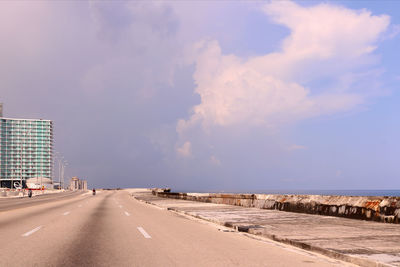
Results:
[211, 95]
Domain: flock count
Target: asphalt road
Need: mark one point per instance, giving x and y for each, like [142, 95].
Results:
[21, 202]
[113, 229]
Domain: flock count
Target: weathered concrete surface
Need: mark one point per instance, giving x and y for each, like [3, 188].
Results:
[12, 193]
[365, 243]
[383, 209]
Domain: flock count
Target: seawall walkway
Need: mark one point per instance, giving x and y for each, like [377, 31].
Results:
[365, 243]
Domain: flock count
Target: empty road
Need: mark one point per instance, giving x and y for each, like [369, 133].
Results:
[113, 229]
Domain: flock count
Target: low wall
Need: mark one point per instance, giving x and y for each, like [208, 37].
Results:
[6, 192]
[383, 209]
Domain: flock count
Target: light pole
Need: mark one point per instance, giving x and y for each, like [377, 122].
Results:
[59, 160]
[55, 159]
[22, 151]
[64, 166]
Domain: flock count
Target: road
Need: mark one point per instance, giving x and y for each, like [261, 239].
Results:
[114, 229]
[15, 203]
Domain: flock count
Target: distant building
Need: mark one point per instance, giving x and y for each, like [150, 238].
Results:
[39, 183]
[77, 184]
[26, 150]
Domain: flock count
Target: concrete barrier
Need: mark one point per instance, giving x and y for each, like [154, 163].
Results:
[12, 193]
[382, 209]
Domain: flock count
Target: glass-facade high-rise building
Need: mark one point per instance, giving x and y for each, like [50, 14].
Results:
[26, 150]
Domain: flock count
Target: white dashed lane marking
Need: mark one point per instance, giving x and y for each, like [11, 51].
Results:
[66, 213]
[127, 213]
[32, 231]
[143, 232]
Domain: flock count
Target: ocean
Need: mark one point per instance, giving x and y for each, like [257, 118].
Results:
[391, 193]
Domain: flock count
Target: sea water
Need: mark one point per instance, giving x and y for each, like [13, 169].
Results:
[390, 193]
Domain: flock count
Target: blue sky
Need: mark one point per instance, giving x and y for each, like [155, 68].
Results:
[233, 96]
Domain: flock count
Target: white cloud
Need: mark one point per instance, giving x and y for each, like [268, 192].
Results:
[325, 41]
[394, 31]
[185, 150]
[325, 30]
[214, 160]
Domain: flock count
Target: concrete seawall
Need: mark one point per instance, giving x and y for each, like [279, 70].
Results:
[381, 209]
[362, 242]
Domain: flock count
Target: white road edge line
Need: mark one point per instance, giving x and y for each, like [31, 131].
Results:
[144, 233]
[32, 231]
[66, 213]
[127, 213]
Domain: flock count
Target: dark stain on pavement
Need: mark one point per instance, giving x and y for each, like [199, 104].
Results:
[88, 249]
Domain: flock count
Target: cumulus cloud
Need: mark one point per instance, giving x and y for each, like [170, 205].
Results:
[326, 31]
[394, 31]
[125, 72]
[185, 150]
[277, 88]
[214, 160]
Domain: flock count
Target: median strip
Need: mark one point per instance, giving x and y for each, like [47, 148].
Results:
[143, 232]
[32, 231]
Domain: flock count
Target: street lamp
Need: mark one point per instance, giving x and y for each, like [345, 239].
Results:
[55, 158]
[22, 151]
[59, 159]
[64, 166]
